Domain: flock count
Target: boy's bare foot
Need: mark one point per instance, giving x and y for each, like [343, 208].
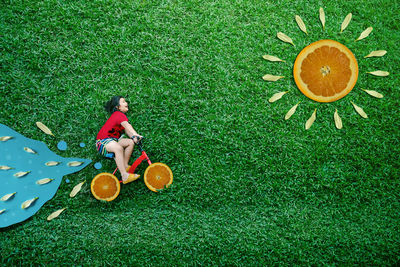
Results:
[124, 176]
[127, 168]
[132, 177]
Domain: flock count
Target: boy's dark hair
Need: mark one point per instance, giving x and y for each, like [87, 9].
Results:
[112, 105]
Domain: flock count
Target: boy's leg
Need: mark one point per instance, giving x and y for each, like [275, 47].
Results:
[128, 146]
[118, 150]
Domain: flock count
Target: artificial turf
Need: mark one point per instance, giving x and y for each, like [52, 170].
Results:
[249, 187]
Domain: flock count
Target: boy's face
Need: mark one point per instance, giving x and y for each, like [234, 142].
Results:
[123, 106]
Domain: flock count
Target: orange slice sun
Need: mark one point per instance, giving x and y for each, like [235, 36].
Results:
[158, 176]
[105, 186]
[325, 71]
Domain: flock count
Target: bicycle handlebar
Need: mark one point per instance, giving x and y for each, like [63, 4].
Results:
[136, 136]
[139, 142]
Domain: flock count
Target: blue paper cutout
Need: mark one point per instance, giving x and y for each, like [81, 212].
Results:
[62, 145]
[98, 166]
[12, 154]
[82, 144]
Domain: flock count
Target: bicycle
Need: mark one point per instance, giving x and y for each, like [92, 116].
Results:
[157, 176]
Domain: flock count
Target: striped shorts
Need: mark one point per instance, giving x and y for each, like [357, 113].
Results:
[101, 145]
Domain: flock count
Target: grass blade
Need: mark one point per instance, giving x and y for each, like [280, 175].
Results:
[377, 53]
[75, 163]
[272, 58]
[52, 163]
[291, 111]
[5, 138]
[301, 24]
[311, 120]
[277, 96]
[373, 93]
[7, 197]
[338, 120]
[28, 203]
[364, 34]
[283, 37]
[322, 17]
[44, 181]
[360, 111]
[55, 214]
[5, 168]
[44, 128]
[272, 78]
[30, 150]
[345, 22]
[380, 73]
[76, 189]
[21, 174]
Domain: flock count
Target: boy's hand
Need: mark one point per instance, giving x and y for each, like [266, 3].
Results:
[136, 138]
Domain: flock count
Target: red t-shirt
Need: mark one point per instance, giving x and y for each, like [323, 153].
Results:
[113, 128]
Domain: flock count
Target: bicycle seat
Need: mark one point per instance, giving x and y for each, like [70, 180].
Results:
[109, 155]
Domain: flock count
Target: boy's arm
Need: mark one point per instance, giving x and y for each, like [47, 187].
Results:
[129, 129]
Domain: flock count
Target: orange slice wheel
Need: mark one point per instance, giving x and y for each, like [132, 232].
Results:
[325, 71]
[158, 176]
[105, 186]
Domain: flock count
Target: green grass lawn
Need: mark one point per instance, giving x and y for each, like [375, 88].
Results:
[249, 187]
